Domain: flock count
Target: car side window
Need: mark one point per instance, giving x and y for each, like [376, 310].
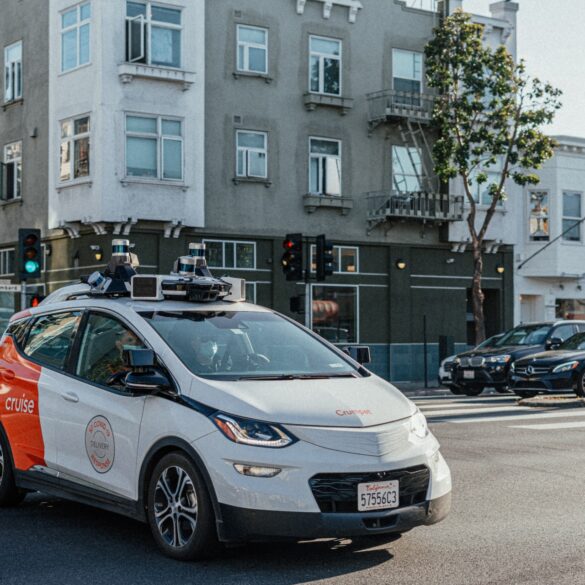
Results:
[18, 331]
[563, 332]
[51, 338]
[102, 346]
[580, 327]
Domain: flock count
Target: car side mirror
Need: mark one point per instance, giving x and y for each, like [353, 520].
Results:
[144, 375]
[553, 343]
[360, 353]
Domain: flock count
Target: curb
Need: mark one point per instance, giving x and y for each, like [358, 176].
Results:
[554, 401]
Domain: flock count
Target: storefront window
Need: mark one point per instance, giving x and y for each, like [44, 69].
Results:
[570, 309]
[335, 313]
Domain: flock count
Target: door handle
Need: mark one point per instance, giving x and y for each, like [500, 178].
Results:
[70, 397]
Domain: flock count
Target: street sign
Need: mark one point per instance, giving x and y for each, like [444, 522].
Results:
[13, 288]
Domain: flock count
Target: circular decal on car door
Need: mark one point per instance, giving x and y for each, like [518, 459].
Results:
[99, 444]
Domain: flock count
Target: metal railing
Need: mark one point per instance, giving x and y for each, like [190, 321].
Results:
[416, 205]
[390, 103]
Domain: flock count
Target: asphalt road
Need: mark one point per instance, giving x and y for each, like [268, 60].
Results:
[518, 517]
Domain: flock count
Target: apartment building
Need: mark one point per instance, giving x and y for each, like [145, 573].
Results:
[234, 122]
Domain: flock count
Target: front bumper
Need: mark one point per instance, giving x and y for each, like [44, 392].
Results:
[241, 524]
[561, 382]
[486, 376]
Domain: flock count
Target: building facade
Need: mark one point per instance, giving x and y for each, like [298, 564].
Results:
[237, 122]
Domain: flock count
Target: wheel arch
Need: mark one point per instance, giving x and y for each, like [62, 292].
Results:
[4, 435]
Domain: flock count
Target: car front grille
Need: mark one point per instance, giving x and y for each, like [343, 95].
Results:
[337, 492]
[536, 370]
[473, 362]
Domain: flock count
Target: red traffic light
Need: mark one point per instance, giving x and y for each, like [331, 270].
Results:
[35, 301]
[30, 240]
[288, 244]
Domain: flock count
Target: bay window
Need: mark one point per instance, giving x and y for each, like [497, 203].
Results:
[571, 216]
[324, 167]
[75, 148]
[538, 216]
[75, 36]
[11, 180]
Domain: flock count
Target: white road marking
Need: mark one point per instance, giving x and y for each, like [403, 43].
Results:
[552, 426]
[432, 407]
[442, 413]
[505, 418]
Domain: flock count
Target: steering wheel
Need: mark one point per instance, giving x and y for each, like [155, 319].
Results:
[257, 360]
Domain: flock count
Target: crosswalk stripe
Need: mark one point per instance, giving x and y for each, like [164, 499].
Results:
[552, 426]
[536, 415]
[442, 413]
[433, 407]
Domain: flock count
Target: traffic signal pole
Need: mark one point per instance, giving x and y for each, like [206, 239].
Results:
[22, 295]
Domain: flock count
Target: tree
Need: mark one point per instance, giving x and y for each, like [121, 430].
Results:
[489, 115]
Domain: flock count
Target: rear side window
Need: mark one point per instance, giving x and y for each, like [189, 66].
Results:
[51, 338]
[18, 332]
[563, 332]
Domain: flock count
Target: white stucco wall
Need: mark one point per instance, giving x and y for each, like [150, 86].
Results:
[97, 89]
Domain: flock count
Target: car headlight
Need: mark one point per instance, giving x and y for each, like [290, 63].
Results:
[457, 361]
[566, 367]
[418, 425]
[252, 432]
[500, 359]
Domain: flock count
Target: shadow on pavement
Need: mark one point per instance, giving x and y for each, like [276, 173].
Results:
[53, 541]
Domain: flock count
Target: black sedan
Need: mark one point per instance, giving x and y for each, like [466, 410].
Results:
[562, 370]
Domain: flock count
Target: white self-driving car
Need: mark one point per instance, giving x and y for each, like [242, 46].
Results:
[209, 418]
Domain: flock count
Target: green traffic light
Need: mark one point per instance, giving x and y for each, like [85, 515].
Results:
[30, 267]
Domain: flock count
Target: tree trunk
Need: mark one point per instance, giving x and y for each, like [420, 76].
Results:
[477, 293]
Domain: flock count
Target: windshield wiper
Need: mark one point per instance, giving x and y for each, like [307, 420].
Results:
[297, 376]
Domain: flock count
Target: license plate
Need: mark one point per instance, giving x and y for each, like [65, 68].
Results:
[378, 495]
[468, 374]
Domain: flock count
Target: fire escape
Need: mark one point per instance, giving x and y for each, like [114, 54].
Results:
[410, 114]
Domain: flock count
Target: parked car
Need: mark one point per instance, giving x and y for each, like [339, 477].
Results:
[562, 370]
[478, 368]
[446, 367]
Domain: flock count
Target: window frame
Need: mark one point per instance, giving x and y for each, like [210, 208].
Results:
[13, 72]
[17, 176]
[357, 308]
[245, 66]
[394, 188]
[246, 150]
[322, 57]
[5, 259]
[395, 51]
[322, 158]
[235, 244]
[146, 33]
[546, 219]
[71, 140]
[79, 23]
[573, 219]
[160, 140]
[337, 249]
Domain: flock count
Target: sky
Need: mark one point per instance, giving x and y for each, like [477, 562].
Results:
[551, 41]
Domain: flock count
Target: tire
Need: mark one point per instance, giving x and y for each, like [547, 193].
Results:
[475, 390]
[457, 390]
[580, 387]
[502, 389]
[525, 393]
[180, 512]
[10, 495]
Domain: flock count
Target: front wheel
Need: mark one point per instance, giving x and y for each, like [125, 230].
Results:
[580, 388]
[475, 390]
[10, 495]
[457, 390]
[180, 512]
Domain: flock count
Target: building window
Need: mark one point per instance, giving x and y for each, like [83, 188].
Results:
[481, 191]
[7, 262]
[13, 72]
[251, 153]
[75, 30]
[154, 148]
[570, 309]
[334, 313]
[153, 34]
[251, 292]
[252, 49]
[571, 216]
[230, 254]
[407, 76]
[538, 216]
[346, 259]
[11, 180]
[324, 65]
[324, 166]
[75, 148]
[406, 169]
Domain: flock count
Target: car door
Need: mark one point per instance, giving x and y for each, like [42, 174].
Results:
[563, 332]
[98, 436]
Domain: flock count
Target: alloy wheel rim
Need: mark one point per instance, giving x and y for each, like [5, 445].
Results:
[175, 506]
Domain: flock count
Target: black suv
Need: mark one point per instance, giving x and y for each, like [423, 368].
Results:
[476, 369]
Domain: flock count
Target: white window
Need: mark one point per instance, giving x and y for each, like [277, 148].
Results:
[11, 179]
[7, 261]
[75, 31]
[251, 154]
[324, 65]
[75, 148]
[407, 77]
[13, 72]
[252, 49]
[481, 191]
[230, 254]
[324, 166]
[153, 34]
[571, 216]
[538, 216]
[346, 259]
[334, 312]
[406, 169]
[154, 147]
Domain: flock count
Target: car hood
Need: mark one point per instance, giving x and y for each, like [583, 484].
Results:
[551, 357]
[339, 402]
[515, 351]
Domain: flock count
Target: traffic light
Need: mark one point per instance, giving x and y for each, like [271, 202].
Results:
[29, 253]
[325, 260]
[36, 300]
[292, 259]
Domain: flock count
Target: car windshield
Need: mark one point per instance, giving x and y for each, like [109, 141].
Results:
[575, 342]
[525, 335]
[489, 342]
[238, 345]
